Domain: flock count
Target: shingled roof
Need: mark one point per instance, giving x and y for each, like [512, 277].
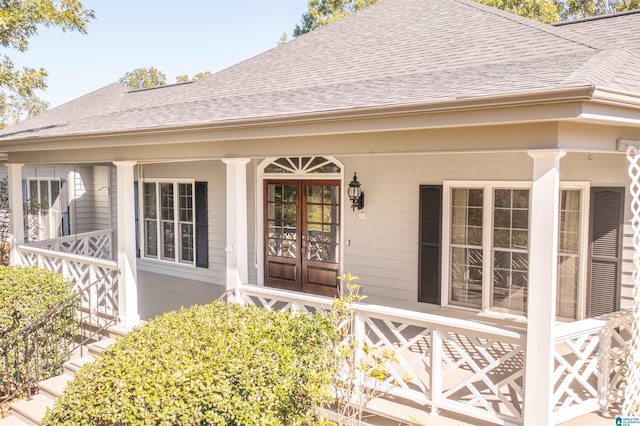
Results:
[621, 30]
[397, 52]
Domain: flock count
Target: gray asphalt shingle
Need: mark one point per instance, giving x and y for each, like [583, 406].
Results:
[396, 52]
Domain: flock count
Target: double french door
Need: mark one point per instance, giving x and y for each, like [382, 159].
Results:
[302, 235]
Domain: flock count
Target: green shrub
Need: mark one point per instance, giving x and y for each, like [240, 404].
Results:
[219, 364]
[35, 330]
[26, 293]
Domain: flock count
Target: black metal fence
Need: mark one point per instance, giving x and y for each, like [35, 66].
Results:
[38, 350]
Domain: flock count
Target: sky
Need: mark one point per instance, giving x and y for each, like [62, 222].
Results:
[177, 38]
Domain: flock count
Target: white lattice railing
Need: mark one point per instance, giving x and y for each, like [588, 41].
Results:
[82, 271]
[631, 403]
[94, 244]
[457, 365]
[588, 356]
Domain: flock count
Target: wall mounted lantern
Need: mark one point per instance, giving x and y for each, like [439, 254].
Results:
[355, 194]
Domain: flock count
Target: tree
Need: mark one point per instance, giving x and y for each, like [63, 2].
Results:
[283, 38]
[19, 21]
[185, 78]
[540, 10]
[562, 10]
[143, 78]
[576, 9]
[322, 12]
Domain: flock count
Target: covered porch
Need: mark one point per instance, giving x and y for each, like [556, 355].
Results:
[456, 369]
[449, 362]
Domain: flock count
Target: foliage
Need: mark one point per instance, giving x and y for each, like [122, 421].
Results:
[546, 11]
[208, 365]
[20, 21]
[284, 37]
[27, 292]
[185, 78]
[31, 221]
[362, 368]
[143, 78]
[556, 10]
[322, 12]
[4, 222]
[37, 317]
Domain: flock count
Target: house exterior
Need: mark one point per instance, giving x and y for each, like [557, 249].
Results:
[490, 149]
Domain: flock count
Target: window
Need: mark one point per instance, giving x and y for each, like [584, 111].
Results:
[569, 243]
[486, 247]
[44, 209]
[169, 221]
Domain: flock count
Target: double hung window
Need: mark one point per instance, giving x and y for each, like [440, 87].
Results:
[169, 221]
[486, 247]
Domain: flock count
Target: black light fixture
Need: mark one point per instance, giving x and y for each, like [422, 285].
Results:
[355, 194]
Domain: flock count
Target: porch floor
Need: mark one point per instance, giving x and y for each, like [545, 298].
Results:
[158, 293]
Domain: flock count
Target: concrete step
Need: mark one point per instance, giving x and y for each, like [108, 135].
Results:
[73, 365]
[12, 421]
[31, 411]
[97, 348]
[52, 388]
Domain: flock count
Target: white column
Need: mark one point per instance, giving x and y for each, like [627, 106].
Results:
[237, 247]
[126, 254]
[16, 210]
[543, 271]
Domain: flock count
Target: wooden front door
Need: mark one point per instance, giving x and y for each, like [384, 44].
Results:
[302, 235]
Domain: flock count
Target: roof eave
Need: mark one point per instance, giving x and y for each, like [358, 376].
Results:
[280, 124]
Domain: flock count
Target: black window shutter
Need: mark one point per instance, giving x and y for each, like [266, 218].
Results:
[430, 244]
[202, 240]
[605, 250]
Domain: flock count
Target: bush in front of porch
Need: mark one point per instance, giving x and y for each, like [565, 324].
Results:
[217, 364]
[37, 313]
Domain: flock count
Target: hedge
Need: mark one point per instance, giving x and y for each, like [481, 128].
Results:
[37, 323]
[26, 293]
[219, 364]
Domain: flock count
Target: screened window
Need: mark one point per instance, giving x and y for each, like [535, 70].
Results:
[169, 221]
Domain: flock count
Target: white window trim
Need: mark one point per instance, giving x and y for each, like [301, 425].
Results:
[585, 203]
[50, 217]
[176, 207]
[487, 224]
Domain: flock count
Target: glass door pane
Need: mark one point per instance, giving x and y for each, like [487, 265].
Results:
[282, 223]
[323, 223]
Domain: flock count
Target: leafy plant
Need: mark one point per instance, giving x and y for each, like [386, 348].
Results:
[32, 211]
[219, 364]
[37, 318]
[361, 368]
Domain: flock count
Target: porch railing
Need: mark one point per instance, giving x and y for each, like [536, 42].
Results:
[38, 350]
[93, 244]
[476, 369]
[457, 365]
[82, 271]
[588, 363]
